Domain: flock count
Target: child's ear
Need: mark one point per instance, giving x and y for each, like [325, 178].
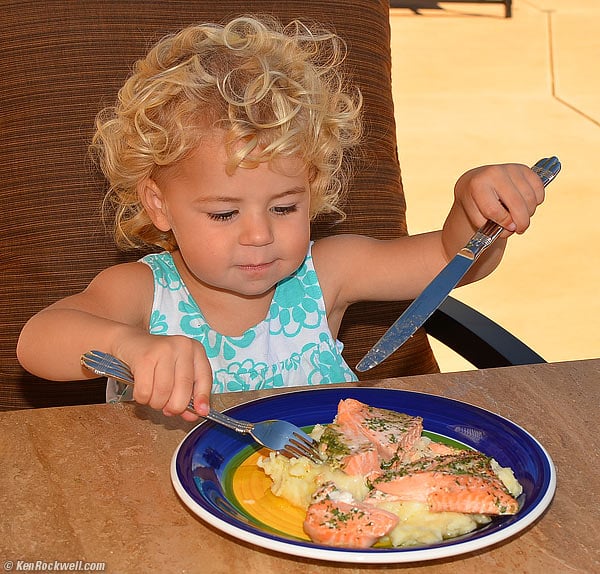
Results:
[153, 201]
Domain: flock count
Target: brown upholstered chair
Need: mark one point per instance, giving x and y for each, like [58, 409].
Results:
[62, 62]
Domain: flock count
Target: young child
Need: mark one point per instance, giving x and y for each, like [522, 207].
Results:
[224, 144]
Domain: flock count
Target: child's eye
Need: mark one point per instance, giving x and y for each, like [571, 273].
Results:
[226, 216]
[284, 209]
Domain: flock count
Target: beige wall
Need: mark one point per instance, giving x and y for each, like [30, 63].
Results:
[473, 88]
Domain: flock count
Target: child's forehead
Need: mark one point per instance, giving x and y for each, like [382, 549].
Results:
[215, 147]
[211, 157]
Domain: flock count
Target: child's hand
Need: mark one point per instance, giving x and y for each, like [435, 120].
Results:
[169, 371]
[507, 194]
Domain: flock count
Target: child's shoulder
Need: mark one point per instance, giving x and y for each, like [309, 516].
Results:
[336, 256]
[334, 246]
[122, 293]
[124, 277]
[133, 270]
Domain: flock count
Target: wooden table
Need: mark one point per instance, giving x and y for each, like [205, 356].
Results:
[92, 483]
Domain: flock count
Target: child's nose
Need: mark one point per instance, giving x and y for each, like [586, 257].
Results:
[256, 231]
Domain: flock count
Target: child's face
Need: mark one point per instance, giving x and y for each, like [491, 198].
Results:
[241, 233]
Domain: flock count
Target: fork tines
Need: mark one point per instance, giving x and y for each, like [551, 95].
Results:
[301, 446]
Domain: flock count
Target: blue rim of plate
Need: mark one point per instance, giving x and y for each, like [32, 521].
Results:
[198, 468]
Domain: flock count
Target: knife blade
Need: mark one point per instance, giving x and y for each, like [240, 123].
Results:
[436, 292]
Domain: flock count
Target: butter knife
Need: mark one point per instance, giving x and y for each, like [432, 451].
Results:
[436, 292]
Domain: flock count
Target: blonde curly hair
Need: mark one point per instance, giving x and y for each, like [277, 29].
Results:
[275, 91]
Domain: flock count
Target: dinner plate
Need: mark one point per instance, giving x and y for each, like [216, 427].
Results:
[204, 467]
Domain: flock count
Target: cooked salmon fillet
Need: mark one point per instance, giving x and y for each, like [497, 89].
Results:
[362, 437]
[349, 451]
[459, 482]
[389, 431]
[335, 519]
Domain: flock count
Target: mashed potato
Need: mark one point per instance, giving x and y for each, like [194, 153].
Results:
[507, 477]
[297, 479]
[420, 526]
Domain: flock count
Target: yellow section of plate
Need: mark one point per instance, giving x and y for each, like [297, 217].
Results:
[252, 488]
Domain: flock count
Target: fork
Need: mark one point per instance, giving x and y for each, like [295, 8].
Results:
[280, 436]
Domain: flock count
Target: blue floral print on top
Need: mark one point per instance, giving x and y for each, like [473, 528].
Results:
[292, 346]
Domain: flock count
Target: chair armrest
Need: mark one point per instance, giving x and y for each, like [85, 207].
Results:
[416, 5]
[476, 338]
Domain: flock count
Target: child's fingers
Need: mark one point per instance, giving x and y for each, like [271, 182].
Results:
[512, 212]
[192, 381]
[165, 381]
[189, 416]
[538, 191]
[201, 404]
[483, 203]
[494, 208]
[182, 385]
[144, 383]
[476, 191]
[202, 382]
[520, 194]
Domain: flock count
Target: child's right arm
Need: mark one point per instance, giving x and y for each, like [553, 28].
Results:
[112, 315]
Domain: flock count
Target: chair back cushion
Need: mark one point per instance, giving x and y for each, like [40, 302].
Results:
[62, 62]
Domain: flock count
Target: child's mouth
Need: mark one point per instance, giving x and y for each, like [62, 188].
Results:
[255, 267]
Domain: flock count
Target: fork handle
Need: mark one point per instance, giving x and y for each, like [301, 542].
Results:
[242, 427]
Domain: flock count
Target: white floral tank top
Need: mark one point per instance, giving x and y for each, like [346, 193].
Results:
[292, 346]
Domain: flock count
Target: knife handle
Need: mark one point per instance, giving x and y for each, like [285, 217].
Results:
[482, 239]
[547, 169]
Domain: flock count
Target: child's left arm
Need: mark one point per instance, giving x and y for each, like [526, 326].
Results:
[355, 268]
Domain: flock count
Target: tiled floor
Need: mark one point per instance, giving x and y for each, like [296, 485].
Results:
[473, 88]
